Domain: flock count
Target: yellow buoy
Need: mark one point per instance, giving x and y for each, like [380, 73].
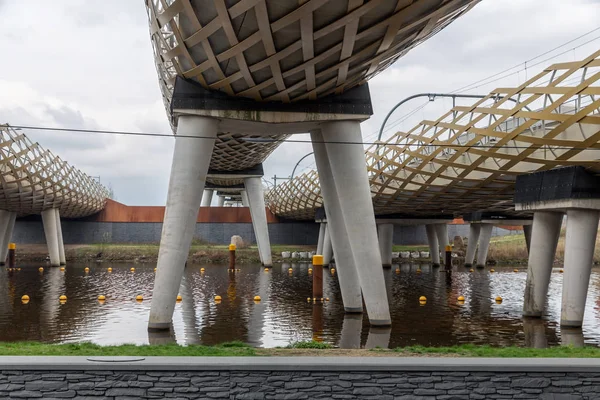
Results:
[332, 270]
[25, 298]
[63, 298]
[322, 299]
[62, 269]
[202, 269]
[471, 270]
[154, 269]
[266, 269]
[461, 298]
[326, 298]
[515, 270]
[308, 299]
[132, 269]
[179, 298]
[498, 299]
[217, 298]
[18, 269]
[310, 270]
[290, 270]
[492, 270]
[418, 270]
[397, 270]
[41, 269]
[139, 297]
[561, 271]
[101, 298]
[86, 269]
[109, 269]
[256, 298]
[422, 298]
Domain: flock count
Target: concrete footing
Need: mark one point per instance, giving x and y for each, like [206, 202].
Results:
[386, 242]
[191, 159]
[256, 200]
[7, 224]
[545, 232]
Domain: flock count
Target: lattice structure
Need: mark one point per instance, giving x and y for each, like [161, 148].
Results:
[469, 158]
[33, 179]
[285, 50]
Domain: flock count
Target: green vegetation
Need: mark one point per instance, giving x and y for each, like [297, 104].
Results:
[471, 350]
[89, 349]
[309, 345]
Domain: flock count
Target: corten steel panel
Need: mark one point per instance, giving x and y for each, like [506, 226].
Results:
[33, 179]
[468, 160]
[118, 212]
[284, 51]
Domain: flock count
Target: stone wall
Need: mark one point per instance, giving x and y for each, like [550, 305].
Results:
[240, 380]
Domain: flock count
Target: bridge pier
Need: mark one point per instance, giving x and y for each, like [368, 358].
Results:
[441, 231]
[544, 239]
[191, 159]
[221, 201]
[579, 199]
[244, 195]
[348, 279]
[386, 243]
[51, 232]
[474, 232]
[322, 229]
[485, 236]
[432, 240]
[207, 196]
[327, 248]
[7, 224]
[256, 201]
[59, 236]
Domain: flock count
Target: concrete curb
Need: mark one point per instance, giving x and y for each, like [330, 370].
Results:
[313, 364]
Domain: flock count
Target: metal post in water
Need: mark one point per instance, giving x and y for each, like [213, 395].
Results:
[448, 257]
[317, 277]
[12, 250]
[232, 256]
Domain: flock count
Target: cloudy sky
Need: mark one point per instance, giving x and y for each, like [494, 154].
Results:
[89, 64]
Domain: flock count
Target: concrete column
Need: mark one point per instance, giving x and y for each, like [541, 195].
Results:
[544, 238]
[582, 228]
[221, 202]
[386, 242]
[527, 233]
[207, 198]
[474, 231]
[347, 162]
[7, 224]
[244, 195]
[191, 159]
[51, 232]
[322, 227]
[484, 244]
[434, 249]
[61, 245]
[336, 230]
[441, 231]
[327, 248]
[256, 200]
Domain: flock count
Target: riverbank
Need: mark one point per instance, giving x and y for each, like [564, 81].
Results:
[301, 349]
[509, 249]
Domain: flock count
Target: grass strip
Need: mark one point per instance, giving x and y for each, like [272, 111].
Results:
[471, 350]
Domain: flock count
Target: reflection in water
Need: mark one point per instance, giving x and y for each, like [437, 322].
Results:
[283, 315]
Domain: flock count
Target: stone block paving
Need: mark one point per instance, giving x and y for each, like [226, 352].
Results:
[281, 385]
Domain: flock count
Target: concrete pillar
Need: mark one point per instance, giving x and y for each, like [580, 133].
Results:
[386, 242]
[441, 231]
[256, 200]
[61, 245]
[527, 233]
[207, 198]
[544, 238]
[191, 159]
[244, 198]
[336, 230]
[322, 227]
[51, 232]
[434, 249]
[474, 231]
[221, 200]
[485, 237]
[327, 248]
[7, 224]
[582, 228]
[347, 162]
